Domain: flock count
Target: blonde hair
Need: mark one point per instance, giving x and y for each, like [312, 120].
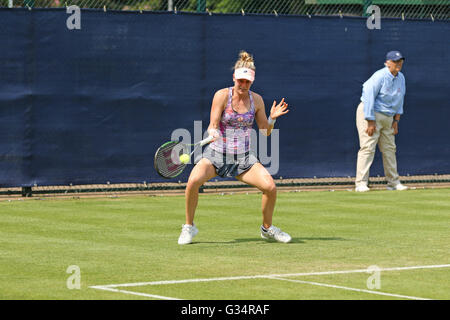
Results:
[245, 61]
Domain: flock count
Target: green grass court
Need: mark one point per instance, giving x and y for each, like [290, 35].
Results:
[128, 247]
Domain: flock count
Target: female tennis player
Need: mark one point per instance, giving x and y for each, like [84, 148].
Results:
[233, 111]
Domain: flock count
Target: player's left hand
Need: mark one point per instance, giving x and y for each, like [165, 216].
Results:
[278, 110]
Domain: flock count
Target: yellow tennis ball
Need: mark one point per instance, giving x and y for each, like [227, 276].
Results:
[184, 158]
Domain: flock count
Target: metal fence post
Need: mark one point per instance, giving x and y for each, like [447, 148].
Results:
[27, 192]
[367, 3]
[28, 3]
[201, 5]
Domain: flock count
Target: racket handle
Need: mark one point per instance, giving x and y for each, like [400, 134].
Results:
[206, 141]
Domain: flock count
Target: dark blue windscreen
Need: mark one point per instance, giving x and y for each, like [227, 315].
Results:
[92, 105]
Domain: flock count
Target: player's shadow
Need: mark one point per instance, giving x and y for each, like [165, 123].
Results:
[294, 240]
[303, 240]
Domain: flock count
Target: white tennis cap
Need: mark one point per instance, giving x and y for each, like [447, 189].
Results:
[244, 73]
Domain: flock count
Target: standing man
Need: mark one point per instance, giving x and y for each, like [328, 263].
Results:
[377, 121]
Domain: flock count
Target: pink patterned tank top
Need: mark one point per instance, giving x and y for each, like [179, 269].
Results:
[235, 128]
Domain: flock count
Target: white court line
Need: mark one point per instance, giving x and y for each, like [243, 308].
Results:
[134, 293]
[351, 289]
[164, 282]
[111, 287]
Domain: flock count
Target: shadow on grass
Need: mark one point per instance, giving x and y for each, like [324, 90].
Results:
[294, 240]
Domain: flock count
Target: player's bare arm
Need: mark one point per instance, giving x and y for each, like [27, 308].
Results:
[217, 107]
[276, 111]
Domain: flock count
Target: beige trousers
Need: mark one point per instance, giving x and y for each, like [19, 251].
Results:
[385, 138]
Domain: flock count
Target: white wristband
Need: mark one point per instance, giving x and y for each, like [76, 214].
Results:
[272, 121]
[214, 132]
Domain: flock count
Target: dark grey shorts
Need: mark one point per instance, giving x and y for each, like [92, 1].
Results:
[229, 165]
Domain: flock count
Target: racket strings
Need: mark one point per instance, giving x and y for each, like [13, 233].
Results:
[167, 165]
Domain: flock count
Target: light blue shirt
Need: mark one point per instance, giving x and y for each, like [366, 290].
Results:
[383, 93]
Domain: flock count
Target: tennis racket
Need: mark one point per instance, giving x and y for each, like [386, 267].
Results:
[167, 158]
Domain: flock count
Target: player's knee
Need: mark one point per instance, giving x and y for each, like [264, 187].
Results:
[194, 182]
[270, 188]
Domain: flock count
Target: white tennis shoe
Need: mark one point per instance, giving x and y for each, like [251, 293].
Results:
[188, 232]
[276, 234]
[398, 187]
[362, 188]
